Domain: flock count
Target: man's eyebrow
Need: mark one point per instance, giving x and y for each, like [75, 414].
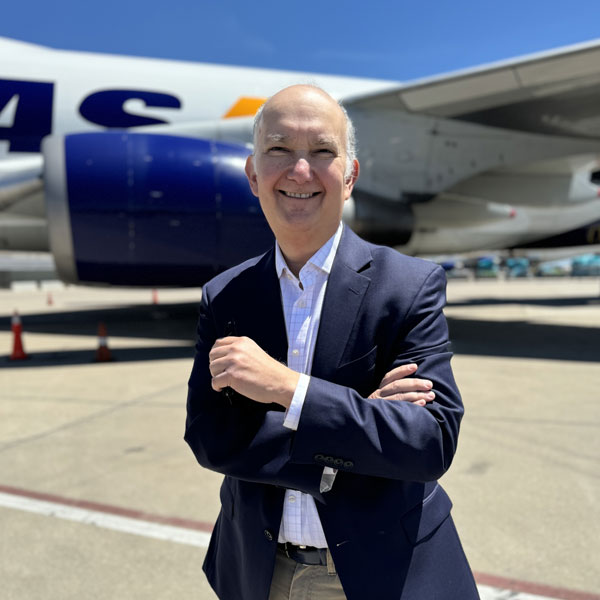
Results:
[276, 137]
[326, 141]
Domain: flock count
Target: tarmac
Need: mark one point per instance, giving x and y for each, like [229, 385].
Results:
[101, 498]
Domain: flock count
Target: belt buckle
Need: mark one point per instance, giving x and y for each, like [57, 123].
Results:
[293, 547]
[289, 545]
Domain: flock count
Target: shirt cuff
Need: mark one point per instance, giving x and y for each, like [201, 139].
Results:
[327, 479]
[292, 417]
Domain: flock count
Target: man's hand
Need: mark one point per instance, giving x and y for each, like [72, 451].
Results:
[240, 363]
[399, 385]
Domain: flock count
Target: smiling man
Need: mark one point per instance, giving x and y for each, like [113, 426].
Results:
[303, 391]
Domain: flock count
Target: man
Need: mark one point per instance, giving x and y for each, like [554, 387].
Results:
[299, 392]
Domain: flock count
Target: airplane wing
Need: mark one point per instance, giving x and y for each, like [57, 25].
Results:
[553, 93]
[16, 171]
[490, 157]
[22, 218]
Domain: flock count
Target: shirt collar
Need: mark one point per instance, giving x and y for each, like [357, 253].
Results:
[322, 258]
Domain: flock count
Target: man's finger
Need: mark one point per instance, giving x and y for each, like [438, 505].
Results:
[411, 397]
[224, 342]
[219, 382]
[216, 354]
[222, 347]
[398, 373]
[219, 363]
[406, 385]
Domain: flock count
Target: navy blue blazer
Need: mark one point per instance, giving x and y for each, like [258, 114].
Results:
[386, 520]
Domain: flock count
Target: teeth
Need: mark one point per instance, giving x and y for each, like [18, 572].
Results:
[301, 196]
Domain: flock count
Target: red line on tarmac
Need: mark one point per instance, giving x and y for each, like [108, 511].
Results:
[528, 587]
[506, 583]
[110, 509]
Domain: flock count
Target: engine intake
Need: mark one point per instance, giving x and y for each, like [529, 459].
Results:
[148, 209]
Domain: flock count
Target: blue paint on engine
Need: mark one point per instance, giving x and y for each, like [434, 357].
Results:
[153, 210]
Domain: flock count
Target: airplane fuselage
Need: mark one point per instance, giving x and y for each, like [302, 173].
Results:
[45, 91]
[430, 183]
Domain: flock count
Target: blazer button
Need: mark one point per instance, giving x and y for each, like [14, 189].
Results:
[338, 462]
[348, 464]
[319, 457]
[329, 460]
[268, 535]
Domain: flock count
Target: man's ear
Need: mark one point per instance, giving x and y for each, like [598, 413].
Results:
[251, 175]
[351, 179]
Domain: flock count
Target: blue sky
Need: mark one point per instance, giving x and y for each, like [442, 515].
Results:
[391, 39]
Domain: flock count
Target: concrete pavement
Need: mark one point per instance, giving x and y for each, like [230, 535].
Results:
[107, 439]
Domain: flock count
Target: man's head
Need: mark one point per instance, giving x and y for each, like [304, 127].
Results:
[302, 169]
[350, 132]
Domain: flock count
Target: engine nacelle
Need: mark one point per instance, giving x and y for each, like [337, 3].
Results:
[145, 209]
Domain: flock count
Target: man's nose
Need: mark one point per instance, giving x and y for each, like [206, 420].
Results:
[300, 170]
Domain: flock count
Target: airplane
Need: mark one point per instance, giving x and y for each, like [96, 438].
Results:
[131, 170]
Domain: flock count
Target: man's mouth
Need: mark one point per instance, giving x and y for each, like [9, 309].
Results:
[298, 195]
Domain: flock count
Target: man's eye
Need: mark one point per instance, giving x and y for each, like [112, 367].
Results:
[276, 150]
[325, 152]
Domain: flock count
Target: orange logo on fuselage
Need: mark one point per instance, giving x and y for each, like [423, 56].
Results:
[245, 106]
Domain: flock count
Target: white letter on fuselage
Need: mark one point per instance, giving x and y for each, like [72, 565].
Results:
[9, 112]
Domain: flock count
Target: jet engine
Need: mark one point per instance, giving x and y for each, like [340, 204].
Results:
[149, 209]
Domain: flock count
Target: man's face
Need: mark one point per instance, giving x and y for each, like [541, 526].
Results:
[298, 167]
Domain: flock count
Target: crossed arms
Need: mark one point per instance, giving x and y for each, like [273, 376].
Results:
[399, 431]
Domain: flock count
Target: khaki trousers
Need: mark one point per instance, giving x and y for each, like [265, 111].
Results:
[294, 581]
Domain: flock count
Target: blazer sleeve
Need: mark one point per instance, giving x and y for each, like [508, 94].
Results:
[239, 437]
[391, 439]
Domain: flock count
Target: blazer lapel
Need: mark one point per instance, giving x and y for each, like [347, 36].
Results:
[346, 289]
[263, 319]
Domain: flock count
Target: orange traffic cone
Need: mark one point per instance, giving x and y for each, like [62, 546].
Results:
[18, 352]
[102, 353]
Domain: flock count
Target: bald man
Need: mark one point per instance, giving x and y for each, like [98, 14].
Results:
[304, 395]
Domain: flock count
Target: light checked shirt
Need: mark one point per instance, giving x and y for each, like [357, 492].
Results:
[302, 299]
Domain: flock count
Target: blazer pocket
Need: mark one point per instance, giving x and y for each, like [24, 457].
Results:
[227, 499]
[363, 363]
[422, 520]
[359, 374]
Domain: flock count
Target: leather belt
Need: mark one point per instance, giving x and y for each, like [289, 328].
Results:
[306, 555]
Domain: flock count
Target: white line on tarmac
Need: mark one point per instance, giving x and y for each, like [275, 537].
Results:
[157, 531]
[491, 593]
[179, 535]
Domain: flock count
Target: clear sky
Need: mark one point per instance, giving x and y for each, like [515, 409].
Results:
[394, 39]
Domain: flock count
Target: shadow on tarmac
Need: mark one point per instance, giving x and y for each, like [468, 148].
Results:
[550, 302]
[163, 321]
[169, 322]
[522, 339]
[177, 322]
[86, 357]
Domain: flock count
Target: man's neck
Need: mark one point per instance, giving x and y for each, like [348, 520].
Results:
[295, 266]
[298, 252]
[297, 255]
